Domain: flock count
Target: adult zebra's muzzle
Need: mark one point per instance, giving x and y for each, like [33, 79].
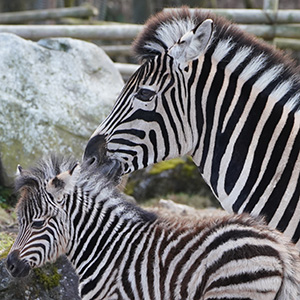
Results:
[95, 153]
[17, 267]
[96, 149]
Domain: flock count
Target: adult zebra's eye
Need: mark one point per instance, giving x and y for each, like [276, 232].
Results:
[144, 94]
[38, 224]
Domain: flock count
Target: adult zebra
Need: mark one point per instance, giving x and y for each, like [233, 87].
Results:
[211, 91]
[120, 251]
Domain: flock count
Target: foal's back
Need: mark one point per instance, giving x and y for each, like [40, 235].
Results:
[234, 257]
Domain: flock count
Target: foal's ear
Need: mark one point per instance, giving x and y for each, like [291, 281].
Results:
[63, 183]
[19, 171]
[192, 44]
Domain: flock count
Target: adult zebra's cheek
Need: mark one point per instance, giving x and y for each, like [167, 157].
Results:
[17, 267]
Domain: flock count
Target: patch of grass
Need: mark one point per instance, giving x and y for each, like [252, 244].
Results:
[7, 217]
[6, 241]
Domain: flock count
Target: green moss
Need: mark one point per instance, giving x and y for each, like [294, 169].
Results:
[130, 186]
[6, 241]
[47, 276]
[189, 169]
[165, 165]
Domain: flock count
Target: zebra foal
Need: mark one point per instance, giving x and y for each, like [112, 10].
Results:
[120, 251]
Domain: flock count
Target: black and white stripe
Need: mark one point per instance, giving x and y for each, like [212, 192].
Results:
[234, 108]
[120, 251]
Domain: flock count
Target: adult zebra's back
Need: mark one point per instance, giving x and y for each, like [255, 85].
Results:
[209, 90]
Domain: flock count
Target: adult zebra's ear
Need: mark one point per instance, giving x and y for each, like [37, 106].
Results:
[63, 183]
[192, 44]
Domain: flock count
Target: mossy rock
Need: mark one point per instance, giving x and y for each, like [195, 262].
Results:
[56, 281]
[48, 276]
[160, 167]
[179, 175]
[54, 93]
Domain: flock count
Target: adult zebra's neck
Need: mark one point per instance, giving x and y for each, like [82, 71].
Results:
[245, 99]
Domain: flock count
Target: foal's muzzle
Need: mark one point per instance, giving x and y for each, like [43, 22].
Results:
[17, 267]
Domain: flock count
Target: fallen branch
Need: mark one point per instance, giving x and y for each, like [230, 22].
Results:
[255, 16]
[84, 32]
[48, 14]
[126, 70]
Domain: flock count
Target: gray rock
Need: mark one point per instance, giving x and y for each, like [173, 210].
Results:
[53, 94]
[51, 282]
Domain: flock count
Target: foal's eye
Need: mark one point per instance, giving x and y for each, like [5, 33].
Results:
[38, 224]
[144, 94]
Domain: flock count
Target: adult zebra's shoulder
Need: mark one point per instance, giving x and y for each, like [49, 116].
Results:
[209, 90]
[120, 251]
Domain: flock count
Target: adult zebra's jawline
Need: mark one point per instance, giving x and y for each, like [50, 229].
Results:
[164, 29]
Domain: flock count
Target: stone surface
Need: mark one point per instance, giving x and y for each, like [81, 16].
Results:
[53, 95]
[167, 208]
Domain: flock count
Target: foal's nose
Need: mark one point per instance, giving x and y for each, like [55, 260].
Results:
[12, 260]
[15, 266]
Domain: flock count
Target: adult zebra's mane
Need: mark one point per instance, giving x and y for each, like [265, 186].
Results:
[165, 28]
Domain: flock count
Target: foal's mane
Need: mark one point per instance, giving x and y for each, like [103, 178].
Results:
[44, 169]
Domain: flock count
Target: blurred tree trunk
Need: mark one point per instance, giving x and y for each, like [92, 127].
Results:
[249, 4]
[69, 3]
[195, 3]
[15, 5]
[141, 11]
[102, 6]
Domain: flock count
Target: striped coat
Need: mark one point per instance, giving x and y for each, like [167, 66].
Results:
[120, 251]
[208, 90]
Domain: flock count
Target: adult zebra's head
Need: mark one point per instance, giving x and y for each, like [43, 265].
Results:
[143, 125]
[43, 221]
